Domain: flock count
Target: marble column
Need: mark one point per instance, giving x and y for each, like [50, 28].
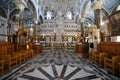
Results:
[8, 23]
[97, 17]
[98, 23]
[82, 30]
[35, 30]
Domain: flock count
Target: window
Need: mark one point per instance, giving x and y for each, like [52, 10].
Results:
[49, 15]
[115, 39]
[118, 38]
[118, 8]
[69, 15]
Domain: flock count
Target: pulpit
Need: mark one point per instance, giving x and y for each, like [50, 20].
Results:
[82, 48]
[37, 48]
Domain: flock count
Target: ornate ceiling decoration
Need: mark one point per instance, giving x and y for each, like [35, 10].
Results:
[60, 5]
[77, 7]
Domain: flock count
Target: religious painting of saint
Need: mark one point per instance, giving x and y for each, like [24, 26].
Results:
[115, 23]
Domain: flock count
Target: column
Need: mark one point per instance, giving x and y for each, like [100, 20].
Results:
[82, 29]
[98, 23]
[21, 9]
[97, 17]
[35, 30]
[8, 24]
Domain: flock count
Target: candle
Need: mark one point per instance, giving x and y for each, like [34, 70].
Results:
[43, 35]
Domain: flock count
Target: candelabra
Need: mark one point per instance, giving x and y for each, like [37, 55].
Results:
[35, 38]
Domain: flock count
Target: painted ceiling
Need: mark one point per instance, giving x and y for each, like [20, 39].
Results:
[78, 8]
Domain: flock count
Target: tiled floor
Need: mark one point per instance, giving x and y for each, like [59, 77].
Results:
[58, 65]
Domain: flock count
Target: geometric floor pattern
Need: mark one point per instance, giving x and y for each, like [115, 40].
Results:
[58, 65]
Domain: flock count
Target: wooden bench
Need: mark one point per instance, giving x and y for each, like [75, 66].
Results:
[6, 50]
[119, 68]
[25, 52]
[92, 56]
[20, 57]
[37, 49]
[31, 53]
[1, 67]
[111, 65]
[10, 62]
[99, 59]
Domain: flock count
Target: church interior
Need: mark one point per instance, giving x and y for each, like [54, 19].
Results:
[59, 39]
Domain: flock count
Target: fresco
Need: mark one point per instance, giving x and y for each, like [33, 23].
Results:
[115, 24]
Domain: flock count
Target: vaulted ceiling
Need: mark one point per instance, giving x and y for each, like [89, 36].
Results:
[38, 8]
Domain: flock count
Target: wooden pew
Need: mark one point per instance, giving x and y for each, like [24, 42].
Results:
[99, 59]
[31, 53]
[92, 56]
[113, 51]
[10, 62]
[119, 68]
[6, 50]
[20, 57]
[25, 52]
[1, 67]
[37, 48]
[111, 65]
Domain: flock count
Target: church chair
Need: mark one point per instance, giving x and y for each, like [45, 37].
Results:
[119, 68]
[99, 59]
[111, 64]
[38, 49]
[30, 51]
[20, 57]
[1, 67]
[10, 62]
[25, 52]
[92, 56]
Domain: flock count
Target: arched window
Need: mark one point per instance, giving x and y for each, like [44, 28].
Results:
[69, 15]
[118, 8]
[2, 12]
[49, 14]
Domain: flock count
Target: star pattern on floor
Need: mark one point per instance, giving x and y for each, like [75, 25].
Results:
[52, 72]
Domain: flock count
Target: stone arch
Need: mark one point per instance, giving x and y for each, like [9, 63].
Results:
[28, 19]
[33, 8]
[3, 12]
[84, 7]
[105, 11]
[28, 13]
[90, 19]
[41, 19]
[76, 18]
[114, 8]
[13, 12]
[13, 17]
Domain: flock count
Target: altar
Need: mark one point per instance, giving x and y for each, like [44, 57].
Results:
[59, 32]
[58, 38]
